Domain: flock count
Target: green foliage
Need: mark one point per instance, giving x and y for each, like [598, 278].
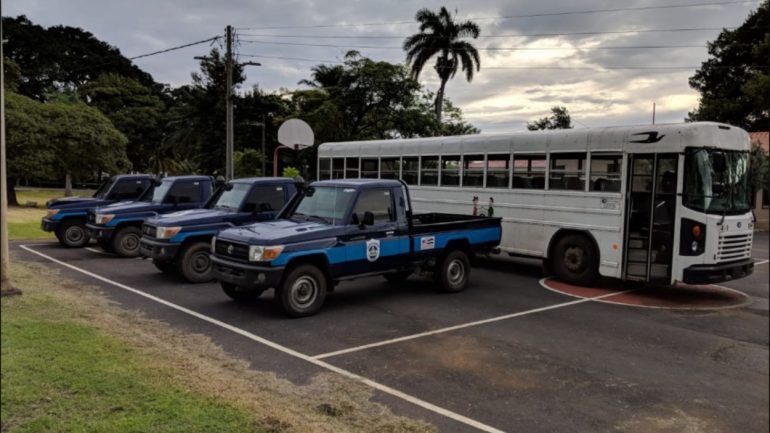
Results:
[62, 376]
[290, 172]
[759, 170]
[12, 74]
[134, 109]
[31, 154]
[733, 82]
[62, 57]
[559, 119]
[442, 37]
[247, 163]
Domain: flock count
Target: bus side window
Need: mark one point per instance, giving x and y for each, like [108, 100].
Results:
[390, 168]
[351, 168]
[473, 170]
[606, 169]
[410, 168]
[529, 171]
[450, 170]
[338, 168]
[498, 171]
[567, 171]
[324, 168]
[370, 168]
[429, 170]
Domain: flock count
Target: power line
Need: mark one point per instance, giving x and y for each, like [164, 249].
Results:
[179, 47]
[513, 35]
[612, 47]
[507, 17]
[299, 59]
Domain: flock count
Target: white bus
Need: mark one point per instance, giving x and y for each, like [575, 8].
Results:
[653, 203]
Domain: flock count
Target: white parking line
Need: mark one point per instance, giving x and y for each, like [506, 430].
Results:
[376, 385]
[761, 262]
[464, 325]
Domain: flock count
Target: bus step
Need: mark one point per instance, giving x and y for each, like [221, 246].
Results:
[637, 243]
[636, 269]
[637, 255]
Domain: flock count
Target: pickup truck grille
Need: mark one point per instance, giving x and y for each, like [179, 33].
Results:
[231, 249]
[149, 231]
[734, 247]
[91, 217]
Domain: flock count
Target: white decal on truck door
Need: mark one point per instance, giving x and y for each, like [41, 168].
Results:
[372, 250]
[427, 243]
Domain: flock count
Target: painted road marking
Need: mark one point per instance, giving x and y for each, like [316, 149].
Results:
[464, 325]
[376, 385]
[761, 262]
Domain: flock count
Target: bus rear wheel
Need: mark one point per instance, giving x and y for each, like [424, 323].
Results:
[575, 260]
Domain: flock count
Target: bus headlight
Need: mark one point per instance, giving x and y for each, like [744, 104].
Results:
[103, 218]
[259, 253]
[694, 246]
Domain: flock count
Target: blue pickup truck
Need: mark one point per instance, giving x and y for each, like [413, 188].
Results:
[117, 228]
[181, 241]
[66, 217]
[346, 229]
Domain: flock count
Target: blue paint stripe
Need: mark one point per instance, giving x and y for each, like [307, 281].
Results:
[115, 221]
[61, 215]
[179, 237]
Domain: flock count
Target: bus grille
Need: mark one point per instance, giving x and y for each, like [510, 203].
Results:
[734, 247]
[231, 249]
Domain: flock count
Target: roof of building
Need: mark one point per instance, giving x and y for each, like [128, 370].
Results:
[761, 139]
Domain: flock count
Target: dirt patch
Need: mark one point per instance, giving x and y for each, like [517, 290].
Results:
[330, 403]
[671, 420]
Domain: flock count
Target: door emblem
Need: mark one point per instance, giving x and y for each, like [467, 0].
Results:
[230, 250]
[652, 137]
[372, 250]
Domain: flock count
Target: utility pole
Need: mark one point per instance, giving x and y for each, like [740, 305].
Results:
[5, 265]
[264, 155]
[229, 103]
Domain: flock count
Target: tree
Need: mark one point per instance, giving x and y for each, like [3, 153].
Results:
[559, 119]
[134, 109]
[759, 170]
[443, 39]
[62, 57]
[247, 163]
[734, 83]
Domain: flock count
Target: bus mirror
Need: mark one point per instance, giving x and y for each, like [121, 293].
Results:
[718, 162]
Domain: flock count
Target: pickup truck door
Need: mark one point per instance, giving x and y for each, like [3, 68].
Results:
[378, 247]
[184, 195]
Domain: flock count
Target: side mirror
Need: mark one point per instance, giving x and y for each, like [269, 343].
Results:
[718, 162]
[368, 219]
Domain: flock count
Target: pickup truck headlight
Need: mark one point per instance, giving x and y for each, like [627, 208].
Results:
[103, 219]
[51, 213]
[166, 232]
[259, 253]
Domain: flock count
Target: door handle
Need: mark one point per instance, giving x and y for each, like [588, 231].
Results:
[390, 233]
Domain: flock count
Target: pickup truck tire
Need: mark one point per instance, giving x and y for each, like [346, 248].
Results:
[397, 277]
[575, 260]
[126, 241]
[303, 291]
[194, 263]
[71, 233]
[240, 294]
[164, 266]
[453, 272]
[105, 245]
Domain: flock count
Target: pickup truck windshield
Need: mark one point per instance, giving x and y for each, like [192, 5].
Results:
[161, 190]
[328, 203]
[103, 188]
[233, 197]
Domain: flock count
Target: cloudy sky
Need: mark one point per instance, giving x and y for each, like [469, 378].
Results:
[531, 56]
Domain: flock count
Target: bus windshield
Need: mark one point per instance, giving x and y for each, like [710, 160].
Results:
[717, 181]
[326, 203]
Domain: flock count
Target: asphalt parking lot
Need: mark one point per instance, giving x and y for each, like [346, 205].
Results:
[505, 355]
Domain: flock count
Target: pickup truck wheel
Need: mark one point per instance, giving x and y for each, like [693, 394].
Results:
[72, 234]
[453, 273]
[303, 291]
[105, 245]
[194, 263]
[164, 266]
[397, 277]
[240, 294]
[575, 260]
[126, 241]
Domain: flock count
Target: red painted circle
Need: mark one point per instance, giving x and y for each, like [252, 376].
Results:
[681, 296]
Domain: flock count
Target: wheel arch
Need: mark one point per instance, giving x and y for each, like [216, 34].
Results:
[318, 260]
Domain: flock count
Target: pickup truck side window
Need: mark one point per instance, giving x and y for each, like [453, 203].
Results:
[184, 192]
[128, 189]
[377, 201]
[265, 198]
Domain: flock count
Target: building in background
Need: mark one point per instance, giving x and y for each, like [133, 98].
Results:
[762, 197]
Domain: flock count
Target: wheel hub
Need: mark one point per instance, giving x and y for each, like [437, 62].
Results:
[304, 292]
[456, 272]
[574, 259]
[74, 234]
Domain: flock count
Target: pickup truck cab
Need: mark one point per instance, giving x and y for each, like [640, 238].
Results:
[66, 217]
[347, 229]
[181, 241]
[117, 228]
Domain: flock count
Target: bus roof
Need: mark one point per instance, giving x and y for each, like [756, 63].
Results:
[673, 137]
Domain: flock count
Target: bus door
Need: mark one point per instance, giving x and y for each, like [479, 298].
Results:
[649, 228]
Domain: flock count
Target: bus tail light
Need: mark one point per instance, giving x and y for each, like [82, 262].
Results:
[693, 238]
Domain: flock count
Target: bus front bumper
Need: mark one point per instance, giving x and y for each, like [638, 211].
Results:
[708, 274]
[246, 276]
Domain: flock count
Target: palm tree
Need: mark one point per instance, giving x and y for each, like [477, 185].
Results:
[443, 39]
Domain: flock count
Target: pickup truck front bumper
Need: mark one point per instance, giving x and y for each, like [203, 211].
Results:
[158, 250]
[246, 276]
[99, 233]
[49, 225]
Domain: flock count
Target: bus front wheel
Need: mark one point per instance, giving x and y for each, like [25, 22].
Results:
[575, 260]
